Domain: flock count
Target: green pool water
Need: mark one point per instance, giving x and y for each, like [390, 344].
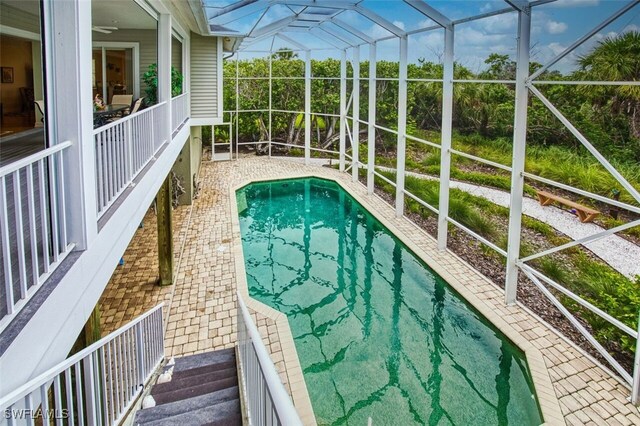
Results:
[378, 333]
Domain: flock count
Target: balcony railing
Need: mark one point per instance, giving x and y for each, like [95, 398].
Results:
[96, 386]
[179, 111]
[123, 149]
[33, 226]
[266, 398]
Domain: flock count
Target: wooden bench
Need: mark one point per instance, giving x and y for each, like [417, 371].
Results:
[585, 214]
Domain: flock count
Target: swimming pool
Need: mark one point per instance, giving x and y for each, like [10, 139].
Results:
[379, 335]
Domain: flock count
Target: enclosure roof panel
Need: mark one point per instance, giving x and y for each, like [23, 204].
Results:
[343, 24]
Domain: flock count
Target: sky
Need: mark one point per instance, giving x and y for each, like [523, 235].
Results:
[555, 26]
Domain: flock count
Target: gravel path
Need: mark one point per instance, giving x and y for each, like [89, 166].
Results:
[620, 254]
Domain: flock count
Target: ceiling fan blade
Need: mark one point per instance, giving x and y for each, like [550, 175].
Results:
[100, 30]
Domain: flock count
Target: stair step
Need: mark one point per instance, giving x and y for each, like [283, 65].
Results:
[201, 389]
[223, 414]
[205, 369]
[179, 381]
[175, 408]
[201, 360]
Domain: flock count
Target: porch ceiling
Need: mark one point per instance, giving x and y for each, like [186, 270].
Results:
[120, 14]
[336, 24]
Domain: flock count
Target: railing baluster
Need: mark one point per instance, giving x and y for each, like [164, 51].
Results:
[44, 402]
[79, 399]
[44, 215]
[109, 166]
[103, 381]
[28, 404]
[57, 401]
[68, 387]
[17, 201]
[6, 246]
[62, 202]
[33, 238]
[90, 390]
[53, 198]
[110, 361]
[99, 182]
[116, 378]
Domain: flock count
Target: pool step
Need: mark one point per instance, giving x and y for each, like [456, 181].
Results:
[203, 390]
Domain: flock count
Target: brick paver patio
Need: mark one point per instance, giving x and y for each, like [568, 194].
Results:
[201, 305]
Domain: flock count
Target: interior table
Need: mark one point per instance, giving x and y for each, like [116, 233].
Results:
[102, 117]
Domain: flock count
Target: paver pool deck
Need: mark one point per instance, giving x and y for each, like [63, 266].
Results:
[202, 312]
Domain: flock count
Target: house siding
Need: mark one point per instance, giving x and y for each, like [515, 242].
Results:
[204, 77]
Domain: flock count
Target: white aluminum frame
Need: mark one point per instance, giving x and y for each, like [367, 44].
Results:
[325, 31]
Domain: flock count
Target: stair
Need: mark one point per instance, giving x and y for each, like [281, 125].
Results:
[203, 391]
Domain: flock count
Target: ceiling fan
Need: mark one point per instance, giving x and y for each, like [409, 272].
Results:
[103, 29]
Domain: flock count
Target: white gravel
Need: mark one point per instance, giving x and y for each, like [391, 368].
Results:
[620, 254]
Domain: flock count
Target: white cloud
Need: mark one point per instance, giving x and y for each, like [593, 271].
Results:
[486, 7]
[498, 23]
[399, 24]
[554, 27]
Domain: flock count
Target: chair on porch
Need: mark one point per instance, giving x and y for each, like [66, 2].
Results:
[122, 100]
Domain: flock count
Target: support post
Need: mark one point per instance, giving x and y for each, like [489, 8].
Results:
[445, 138]
[519, 148]
[92, 331]
[270, 99]
[67, 34]
[355, 128]
[635, 386]
[371, 141]
[164, 70]
[307, 107]
[401, 149]
[165, 233]
[343, 109]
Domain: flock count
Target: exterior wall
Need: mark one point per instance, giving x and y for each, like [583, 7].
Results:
[148, 40]
[187, 166]
[53, 320]
[204, 77]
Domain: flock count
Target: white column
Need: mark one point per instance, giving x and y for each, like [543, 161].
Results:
[635, 385]
[371, 142]
[69, 111]
[307, 107]
[343, 108]
[445, 138]
[164, 68]
[519, 146]
[270, 99]
[402, 127]
[355, 129]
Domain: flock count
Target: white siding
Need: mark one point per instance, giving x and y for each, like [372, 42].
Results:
[204, 78]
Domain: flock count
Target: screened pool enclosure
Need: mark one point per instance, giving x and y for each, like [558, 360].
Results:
[342, 71]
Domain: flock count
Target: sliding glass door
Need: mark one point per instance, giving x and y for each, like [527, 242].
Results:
[115, 70]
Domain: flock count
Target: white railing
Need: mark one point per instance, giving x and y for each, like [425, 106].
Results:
[123, 149]
[179, 111]
[33, 226]
[96, 386]
[266, 398]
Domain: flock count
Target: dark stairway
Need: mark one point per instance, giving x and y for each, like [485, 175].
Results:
[203, 391]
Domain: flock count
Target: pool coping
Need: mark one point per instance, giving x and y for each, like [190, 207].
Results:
[547, 398]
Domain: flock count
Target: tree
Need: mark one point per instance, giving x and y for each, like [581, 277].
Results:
[616, 59]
